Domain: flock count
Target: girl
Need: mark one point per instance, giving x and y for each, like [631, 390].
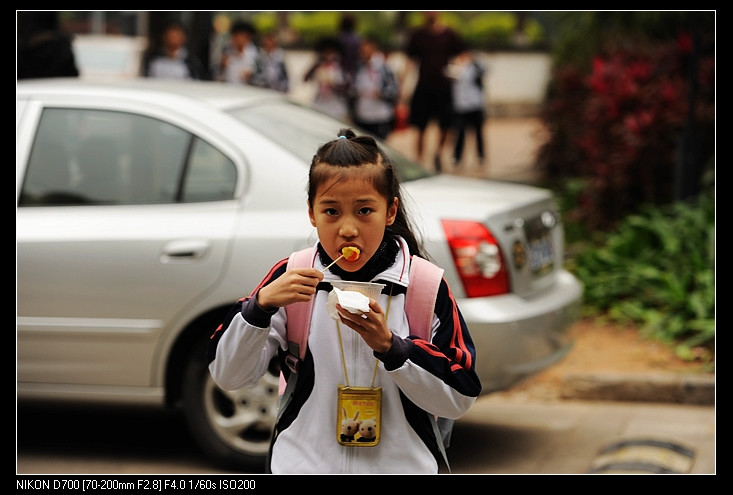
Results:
[354, 200]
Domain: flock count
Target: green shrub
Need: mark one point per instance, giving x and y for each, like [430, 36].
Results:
[657, 271]
[482, 30]
[265, 22]
[496, 30]
[490, 30]
[312, 26]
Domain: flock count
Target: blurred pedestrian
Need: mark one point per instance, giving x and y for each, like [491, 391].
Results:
[469, 103]
[171, 58]
[43, 49]
[239, 58]
[332, 84]
[350, 50]
[350, 43]
[431, 47]
[376, 91]
[270, 69]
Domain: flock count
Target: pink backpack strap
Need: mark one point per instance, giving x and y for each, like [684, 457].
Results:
[420, 304]
[425, 278]
[299, 314]
[298, 325]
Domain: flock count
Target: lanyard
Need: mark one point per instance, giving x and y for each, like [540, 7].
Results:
[341, 345]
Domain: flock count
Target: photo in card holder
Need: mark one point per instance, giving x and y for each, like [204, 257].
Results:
[359, 416]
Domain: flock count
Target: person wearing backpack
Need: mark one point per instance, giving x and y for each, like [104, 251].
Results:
[172, 59]
[370, 356]
[375, 91]
[270, 69]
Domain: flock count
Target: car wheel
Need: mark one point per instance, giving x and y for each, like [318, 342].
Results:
[233, 428]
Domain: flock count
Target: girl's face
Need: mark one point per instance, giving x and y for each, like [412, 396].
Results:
[348, 211]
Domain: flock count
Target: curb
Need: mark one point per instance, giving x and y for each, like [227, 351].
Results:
[691, 389]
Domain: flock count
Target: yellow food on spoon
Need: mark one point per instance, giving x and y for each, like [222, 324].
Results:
[351, 253]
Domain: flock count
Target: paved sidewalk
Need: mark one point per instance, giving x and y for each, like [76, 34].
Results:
[511, 145]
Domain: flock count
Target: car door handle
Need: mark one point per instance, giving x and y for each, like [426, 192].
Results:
[184, 250]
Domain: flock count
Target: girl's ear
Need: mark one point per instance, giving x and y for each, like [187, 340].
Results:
[310, 214]
[392, 211]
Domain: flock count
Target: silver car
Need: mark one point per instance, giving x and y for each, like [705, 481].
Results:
[145, 208]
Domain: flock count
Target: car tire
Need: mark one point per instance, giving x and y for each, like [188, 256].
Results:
[232, 428]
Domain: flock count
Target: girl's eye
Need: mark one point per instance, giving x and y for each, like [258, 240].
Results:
[330, 211]
[365, 211]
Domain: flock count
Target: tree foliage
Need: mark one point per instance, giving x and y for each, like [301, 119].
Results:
[625, 111]
[631, 119]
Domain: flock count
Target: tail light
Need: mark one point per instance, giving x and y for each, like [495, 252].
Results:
[477, 257]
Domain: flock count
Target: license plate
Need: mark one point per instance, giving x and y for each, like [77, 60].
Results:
[541, 253]
[541, 257]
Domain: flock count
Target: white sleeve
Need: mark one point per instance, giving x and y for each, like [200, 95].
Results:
[244, 352]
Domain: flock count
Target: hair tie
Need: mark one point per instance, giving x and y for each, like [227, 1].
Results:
[342, 137]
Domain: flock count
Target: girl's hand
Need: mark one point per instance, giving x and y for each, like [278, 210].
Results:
[371, 326]
[296, 285]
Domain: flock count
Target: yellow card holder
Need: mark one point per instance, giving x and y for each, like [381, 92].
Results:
[359, 416]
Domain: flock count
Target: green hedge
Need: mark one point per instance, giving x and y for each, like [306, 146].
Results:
[481, 30]
[656, 270]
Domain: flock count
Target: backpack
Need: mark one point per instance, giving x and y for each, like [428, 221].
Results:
[390, 86]
[480, 71]
[419, 306]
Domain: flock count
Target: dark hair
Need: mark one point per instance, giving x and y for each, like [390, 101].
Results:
[348, 22]
[37, 21]
[173, 25]
[242, 27]
[350, 150]
[329, 43]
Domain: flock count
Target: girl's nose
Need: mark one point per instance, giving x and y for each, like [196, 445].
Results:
[348, 229]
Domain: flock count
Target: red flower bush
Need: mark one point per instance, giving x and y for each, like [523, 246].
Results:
[619, 126]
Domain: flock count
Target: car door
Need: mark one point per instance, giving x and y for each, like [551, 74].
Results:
[124, 220]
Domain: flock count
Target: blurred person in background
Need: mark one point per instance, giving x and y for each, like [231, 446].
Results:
[270, 69]
[43, 49]
[431, 47]
[350, 44]
[332, 84]
[375, 90]
[172, 59]
[469, 103]
[350, 51]
[240, 57]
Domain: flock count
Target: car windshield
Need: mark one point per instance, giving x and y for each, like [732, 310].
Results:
[302, 130]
